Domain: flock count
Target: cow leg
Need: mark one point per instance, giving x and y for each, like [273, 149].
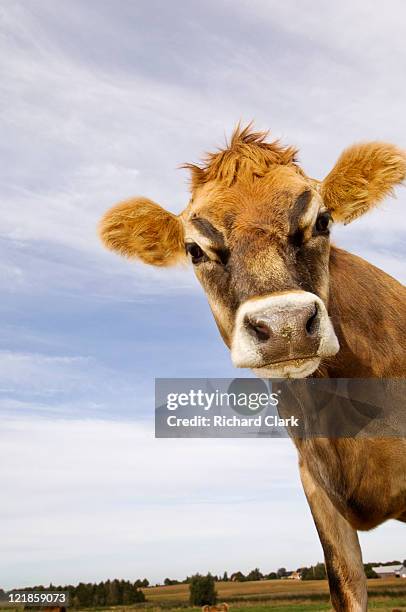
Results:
[342, 552]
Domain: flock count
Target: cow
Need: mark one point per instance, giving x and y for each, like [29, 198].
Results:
[223, 607]
[289, 304]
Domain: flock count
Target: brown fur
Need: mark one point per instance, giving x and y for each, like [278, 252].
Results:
[251, 213]
[247, 156]
[140, 228]
[363, 176]
[367, 308]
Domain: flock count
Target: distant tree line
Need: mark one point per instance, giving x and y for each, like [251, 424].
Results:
[188, 579]
[314, 572]
[108, 593]
[123, 592]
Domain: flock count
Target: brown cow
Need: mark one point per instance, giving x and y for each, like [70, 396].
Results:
[223, 607]
[289, 304]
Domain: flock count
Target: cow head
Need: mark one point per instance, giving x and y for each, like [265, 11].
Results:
[257, 231]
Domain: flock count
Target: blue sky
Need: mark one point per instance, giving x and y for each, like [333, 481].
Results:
[100, 101]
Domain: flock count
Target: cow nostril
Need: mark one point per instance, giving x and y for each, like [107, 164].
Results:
[312, 321]
[258, 328]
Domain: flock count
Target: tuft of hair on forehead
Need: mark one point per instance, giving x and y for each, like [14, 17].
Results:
[248, 155]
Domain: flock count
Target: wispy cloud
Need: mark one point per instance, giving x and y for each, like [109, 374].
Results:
[66, 387]
[87, 500]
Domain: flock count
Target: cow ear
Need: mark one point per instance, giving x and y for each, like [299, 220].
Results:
[363, 176]
[139, 228]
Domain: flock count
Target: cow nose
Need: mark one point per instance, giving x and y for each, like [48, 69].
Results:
[291, 326]
[286, 327]
[259, 328]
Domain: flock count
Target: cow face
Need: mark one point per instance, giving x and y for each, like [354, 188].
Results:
[257, 231]
[260, 249]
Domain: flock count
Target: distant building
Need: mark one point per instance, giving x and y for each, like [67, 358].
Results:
[295, 575]
[390, 571]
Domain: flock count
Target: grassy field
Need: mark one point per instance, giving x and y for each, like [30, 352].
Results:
[280, 595]
[376, 605]
[264, 595]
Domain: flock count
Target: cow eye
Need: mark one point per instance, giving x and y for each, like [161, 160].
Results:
[195, 252]
[323, 222]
